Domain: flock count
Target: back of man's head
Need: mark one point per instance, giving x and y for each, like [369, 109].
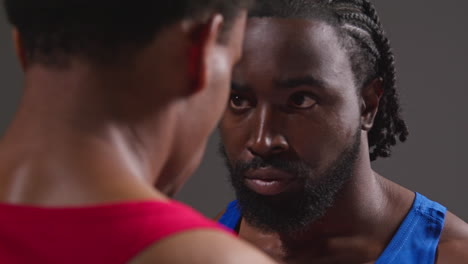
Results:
[52, 29]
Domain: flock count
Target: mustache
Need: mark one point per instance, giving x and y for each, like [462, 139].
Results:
[294, 166]
[297, 167]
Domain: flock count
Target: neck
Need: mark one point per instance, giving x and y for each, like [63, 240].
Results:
[76, 139]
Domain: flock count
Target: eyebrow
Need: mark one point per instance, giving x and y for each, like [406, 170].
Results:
[307, 80]
[239, 87]
[287, 83]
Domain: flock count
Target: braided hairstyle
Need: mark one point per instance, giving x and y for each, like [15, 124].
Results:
[362, 34]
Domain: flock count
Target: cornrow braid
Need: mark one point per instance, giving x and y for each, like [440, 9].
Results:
[388, 124]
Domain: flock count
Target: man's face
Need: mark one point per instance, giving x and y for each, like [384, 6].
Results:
[291, 132]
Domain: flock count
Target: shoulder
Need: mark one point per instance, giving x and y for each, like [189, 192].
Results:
[455, 229]
[453, 245]
[201, 246]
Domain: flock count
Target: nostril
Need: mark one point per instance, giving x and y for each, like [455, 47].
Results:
[278, 149]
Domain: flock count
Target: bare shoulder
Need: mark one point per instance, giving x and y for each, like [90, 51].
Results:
[453, 245]
[201, 246]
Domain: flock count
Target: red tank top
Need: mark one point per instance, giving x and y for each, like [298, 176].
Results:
[104, 234]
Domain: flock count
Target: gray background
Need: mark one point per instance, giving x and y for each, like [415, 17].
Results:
[430, 41]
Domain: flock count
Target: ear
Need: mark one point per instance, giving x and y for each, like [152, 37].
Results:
[204, 39]
[19, 48]
[370, 98]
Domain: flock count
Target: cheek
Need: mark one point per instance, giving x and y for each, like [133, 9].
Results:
[310, 140]
[233, 137]
[220, 83]
[216, 95]
[320, 139]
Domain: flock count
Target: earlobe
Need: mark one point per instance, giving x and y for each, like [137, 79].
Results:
[204, 39]
[19, 48]
[370, 96]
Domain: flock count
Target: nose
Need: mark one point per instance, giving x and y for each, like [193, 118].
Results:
[265, 138]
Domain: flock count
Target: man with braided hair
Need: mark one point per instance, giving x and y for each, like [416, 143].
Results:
[313, 102]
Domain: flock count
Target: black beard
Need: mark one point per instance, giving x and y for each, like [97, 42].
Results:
[291, 213]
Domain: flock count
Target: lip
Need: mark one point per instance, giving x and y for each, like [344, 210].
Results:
[270, 181]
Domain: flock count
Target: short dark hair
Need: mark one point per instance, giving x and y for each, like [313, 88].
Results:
[370, 53]
[100, 29]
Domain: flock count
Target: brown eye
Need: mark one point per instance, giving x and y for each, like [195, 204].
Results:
[238, 102]
[301, 101]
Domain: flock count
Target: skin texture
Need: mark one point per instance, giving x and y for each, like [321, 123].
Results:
[140, 122]
[265, 118]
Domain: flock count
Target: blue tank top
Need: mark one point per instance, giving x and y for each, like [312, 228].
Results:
[415, 241]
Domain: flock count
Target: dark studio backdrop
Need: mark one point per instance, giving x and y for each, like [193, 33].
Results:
[430, 41]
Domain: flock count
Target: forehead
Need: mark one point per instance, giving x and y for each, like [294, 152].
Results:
[288, 48]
